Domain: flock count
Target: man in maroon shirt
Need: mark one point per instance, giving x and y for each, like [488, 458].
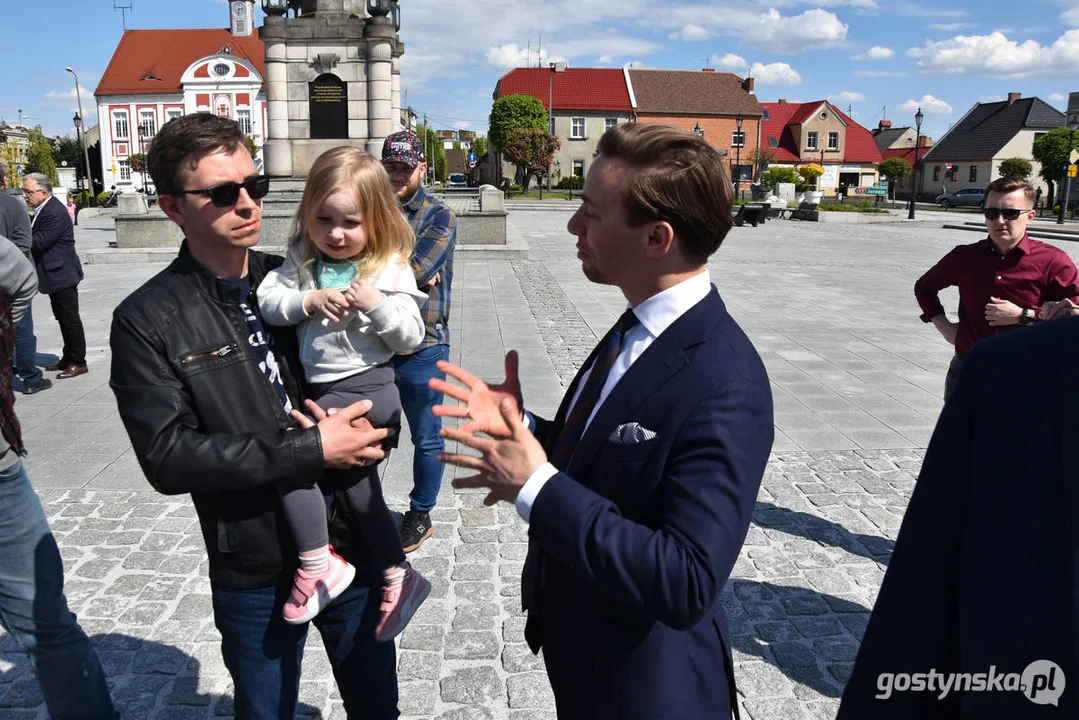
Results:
[1004, 280]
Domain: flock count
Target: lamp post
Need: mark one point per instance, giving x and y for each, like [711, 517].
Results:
[738, 155]
[698, 130]
[85, 152]
[1073, 125]
[918, 117]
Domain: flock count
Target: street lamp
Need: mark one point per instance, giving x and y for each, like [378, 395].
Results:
[918, 117]
[85, 152]
[1073, 125]
[698, 130]
[738, 155]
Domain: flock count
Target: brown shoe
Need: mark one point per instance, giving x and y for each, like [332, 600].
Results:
[56, 366]
[73, 371]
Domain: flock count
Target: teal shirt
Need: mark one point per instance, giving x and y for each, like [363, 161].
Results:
[336, 275]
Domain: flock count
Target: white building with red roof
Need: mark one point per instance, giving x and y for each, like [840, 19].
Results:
[819, 132]
[156, 75]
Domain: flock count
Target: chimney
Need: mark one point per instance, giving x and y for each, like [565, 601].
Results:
[1012, 97]
[884, 125]
[708, 70]
[782, 101]
[747, 85]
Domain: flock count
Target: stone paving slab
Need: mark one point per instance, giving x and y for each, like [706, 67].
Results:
[856, 379]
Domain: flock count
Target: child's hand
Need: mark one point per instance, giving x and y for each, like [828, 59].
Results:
[363, 296]
[331, 303]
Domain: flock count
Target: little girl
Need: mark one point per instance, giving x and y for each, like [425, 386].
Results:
[347, 285]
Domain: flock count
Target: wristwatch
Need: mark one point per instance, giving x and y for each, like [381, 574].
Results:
[1025, 318]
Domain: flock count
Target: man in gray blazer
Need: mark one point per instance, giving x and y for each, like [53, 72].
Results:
[15, 226]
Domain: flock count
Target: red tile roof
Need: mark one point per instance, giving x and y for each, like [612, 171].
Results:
[601, 89]
[860, 145]
[691, 92]
[905, 153]
[166, 54]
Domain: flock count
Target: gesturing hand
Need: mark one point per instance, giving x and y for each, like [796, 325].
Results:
[1057, 309]
[331, 303]
[505, 464]
[481, 401]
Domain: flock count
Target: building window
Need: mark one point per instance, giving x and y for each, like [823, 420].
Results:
[244, 118]
[833, 141]
[578, 168]
[173, 113]
[147, 124]
[773, 142]
[609, 123]
[125, 170]
[550, 125]
[576, 131]
[811, 140]
[767, 115]
[974, 173]
[936, 173]
[119, 124]
[738, 138]
[951, 172]
[742, 173]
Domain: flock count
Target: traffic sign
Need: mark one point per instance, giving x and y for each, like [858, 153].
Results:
[1072, 170]
[471, 164]
[472, 158]
[1073, 157]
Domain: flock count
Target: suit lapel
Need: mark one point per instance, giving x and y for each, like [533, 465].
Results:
[663, 359]
[1069, 476]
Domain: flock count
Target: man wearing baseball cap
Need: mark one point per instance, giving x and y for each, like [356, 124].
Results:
[435, 226]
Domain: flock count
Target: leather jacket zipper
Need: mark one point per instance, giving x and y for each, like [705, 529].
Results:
[217, 352]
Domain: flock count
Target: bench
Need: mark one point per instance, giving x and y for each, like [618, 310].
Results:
[805, 211]
[753, 213]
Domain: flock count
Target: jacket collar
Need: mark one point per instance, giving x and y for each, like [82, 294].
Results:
[186, 264]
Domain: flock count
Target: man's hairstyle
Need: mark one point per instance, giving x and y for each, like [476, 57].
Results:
[41, 180]
[1007, 185]
[349, 169]
[182, 142]
[3, 171]
[676, 177]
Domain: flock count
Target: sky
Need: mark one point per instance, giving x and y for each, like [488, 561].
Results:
[879, 58]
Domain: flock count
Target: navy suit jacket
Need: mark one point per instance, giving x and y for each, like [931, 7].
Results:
[985, 566]
[639, 539]
[53, 248]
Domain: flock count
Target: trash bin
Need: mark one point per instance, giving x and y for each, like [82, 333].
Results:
[758, 191]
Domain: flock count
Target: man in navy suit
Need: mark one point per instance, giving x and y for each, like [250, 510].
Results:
[59, 271]
[640, 492]
[978, 614]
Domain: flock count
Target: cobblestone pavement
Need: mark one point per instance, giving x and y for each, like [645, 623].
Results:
[856, 379]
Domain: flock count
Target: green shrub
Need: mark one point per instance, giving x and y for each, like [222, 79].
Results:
[102, 197]
[573, 182]
[862, 206]
[514, 187]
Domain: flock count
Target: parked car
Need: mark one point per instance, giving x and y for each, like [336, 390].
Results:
[457, 180]
[967, 197]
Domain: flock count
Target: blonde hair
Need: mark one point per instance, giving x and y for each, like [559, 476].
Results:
[389, 235]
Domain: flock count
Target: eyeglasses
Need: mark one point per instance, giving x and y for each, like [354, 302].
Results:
[226, 195]
[31, 192]
[992, 213]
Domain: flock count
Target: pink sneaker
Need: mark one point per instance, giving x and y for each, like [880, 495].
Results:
[400, 603]
[310, 595]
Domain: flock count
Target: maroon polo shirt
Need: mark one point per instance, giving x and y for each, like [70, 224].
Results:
[1029, 275]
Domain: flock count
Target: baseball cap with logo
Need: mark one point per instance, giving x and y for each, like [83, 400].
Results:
[403, 147]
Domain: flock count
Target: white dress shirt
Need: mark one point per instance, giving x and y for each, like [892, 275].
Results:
[655, 315]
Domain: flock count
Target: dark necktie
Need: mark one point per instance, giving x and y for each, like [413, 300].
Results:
[572, 429]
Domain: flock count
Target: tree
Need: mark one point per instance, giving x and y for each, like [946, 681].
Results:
[775, 175]
[810, 172]
[531, 150]
[1051, 150]
[39, 156]
[895, 169]
[137, 163]
[67, 150]
[479, 146]
[761, 158]
[1016, 168]
[513, 112]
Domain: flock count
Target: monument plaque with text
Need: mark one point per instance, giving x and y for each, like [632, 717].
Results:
[328, 98]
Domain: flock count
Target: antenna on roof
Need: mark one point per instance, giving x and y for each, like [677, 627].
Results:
[707, 62]
[539, 50]
[123, 11]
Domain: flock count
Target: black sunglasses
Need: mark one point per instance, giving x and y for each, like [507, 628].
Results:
[226, 195]
[992, 213]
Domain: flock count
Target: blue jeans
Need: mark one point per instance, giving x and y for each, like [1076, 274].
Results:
[34, 610]
[264, 653]
[413, 372]
[26, 351]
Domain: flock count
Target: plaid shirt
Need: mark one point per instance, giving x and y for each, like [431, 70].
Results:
[435, 226]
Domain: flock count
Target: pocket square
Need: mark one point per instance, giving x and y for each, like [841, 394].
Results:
[631, 433]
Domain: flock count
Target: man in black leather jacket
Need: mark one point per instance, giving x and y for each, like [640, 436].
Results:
[207, 393]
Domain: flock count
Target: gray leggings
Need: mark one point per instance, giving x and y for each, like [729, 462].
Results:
[305, 508]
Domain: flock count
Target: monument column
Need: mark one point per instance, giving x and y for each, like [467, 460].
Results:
[380, 36]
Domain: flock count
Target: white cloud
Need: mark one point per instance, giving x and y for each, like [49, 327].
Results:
[812, 30]
[846, 97]
[691, 33]
[951, 27]
[778, 73]
[878, 73]
[506, 57]
[64, 94]
[877, 52]
[634, 64]
[929, 105]
[922, 11]
[991, 98]
[462, 124]
[996, 55]
[1056, 97]
[729, 60]
[1071, 17]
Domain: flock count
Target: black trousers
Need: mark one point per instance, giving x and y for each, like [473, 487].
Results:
[65, 308]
